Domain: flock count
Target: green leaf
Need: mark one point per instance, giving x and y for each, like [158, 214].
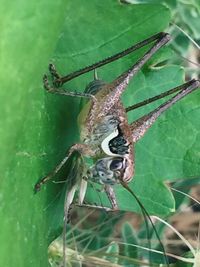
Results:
[29, 31]
[129, 237]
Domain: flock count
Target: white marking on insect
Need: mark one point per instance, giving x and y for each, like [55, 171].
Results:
[105, 143]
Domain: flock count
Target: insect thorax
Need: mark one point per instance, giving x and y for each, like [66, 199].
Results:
[113, 152]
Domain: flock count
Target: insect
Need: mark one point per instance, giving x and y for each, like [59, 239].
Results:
[105, 153]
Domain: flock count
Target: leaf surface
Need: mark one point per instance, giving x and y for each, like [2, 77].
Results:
[29, 31]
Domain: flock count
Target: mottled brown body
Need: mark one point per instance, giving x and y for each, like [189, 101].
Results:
[90, 121]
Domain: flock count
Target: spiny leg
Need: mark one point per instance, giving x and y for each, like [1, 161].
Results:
[70, 76]
[48, 177]
[118, 86]
[54, 74]
[82, 148]
[59, 91]
[107, 209]
[54, 172]
[160, 96]
[111, 196]
[140, 126]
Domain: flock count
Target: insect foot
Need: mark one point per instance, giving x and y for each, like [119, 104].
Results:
[37, 188]
[46, 84]
[54, 75]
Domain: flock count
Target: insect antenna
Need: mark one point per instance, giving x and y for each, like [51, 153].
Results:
[146, 216]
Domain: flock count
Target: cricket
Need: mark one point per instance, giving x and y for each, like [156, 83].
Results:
[105, 152]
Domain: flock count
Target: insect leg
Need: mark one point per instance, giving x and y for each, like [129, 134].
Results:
[59, 91]
[140, 126]
[118, 86]
[54, 73]
[64, 79]
[111, 195]
[83, 149]
[160, 96]
[96, 207]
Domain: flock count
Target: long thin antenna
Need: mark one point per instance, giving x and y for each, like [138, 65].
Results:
[145, 214]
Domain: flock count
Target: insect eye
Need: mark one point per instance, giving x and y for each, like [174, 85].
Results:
[116, 164]
[101, 174]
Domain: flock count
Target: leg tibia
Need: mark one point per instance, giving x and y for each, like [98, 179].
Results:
[140, 126]
[81, 148]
